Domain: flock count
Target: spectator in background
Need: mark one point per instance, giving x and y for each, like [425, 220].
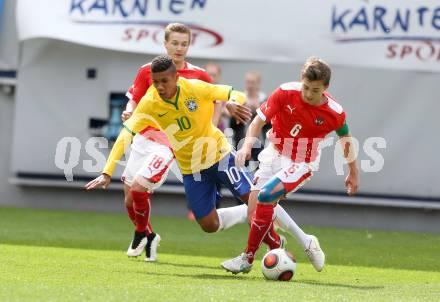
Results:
[255, 97]
[215, 72]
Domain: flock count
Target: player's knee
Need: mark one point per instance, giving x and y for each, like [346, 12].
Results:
[245, 198]
[128, 200]
[137, 187]
[250, 213]
[271, 191]
[211, 227]
[142, 184]
[268, 196]
[265, 196]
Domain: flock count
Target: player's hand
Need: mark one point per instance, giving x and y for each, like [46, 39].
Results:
[240, 113]
[125, 115]
[242, 155]
[352, 183]
[102, 181]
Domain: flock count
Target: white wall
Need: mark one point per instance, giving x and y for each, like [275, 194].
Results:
[9, 49]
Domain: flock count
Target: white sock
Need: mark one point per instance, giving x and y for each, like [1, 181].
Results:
[231, 216]
[286, 222]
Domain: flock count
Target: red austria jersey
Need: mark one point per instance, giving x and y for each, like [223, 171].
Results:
[298, 127]
[143, 81]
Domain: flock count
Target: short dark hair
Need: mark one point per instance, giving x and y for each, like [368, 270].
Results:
[177, 28]
[316, 69]
[162, 63]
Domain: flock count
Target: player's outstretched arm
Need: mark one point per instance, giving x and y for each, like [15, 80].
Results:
[102, 181]
[137, 122]
[116, 153]
[352, 179]
[252, 135]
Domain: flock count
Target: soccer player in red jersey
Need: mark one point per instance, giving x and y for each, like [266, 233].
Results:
[177, 42]
[302, 114]
[151, 156]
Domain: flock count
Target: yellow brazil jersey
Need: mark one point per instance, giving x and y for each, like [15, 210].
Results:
[186, 120]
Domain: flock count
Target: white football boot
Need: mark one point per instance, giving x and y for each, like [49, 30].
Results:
[315, 254]
[137, 245]
[239, 264]
[151, 248]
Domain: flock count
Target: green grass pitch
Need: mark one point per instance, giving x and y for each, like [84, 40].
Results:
[77, 256]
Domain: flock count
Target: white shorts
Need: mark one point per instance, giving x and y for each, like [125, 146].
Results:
[150, 160]
[292, 175]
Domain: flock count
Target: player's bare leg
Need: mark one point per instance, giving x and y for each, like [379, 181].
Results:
[224, 218]
[209, 223]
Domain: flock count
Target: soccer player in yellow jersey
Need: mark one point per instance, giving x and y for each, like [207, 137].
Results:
[183, 109]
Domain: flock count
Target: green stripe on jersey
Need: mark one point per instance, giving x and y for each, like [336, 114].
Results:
[129, 130]
[343, 130]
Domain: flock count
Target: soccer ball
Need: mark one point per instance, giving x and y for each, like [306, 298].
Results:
[278, 264]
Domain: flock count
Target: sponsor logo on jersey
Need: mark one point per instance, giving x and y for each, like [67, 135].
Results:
[191, 104]
[291, 108]
[319, 121]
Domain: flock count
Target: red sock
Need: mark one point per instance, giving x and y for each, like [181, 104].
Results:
[131, 214]
[149, 228]
[260, 226]
[141, 206]
[272, 239]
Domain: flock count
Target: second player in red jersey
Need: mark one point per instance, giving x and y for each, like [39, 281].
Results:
[143, 81]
